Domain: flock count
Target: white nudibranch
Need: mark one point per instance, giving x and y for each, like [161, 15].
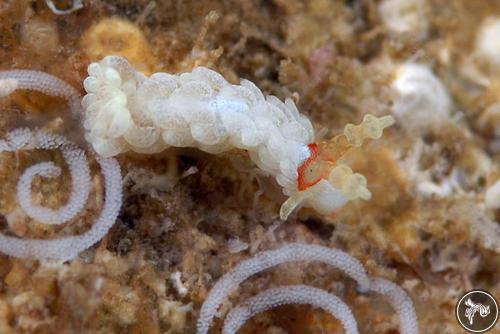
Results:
[126, 110]
[422, 100]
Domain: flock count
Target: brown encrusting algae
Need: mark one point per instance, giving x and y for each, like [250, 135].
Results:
[142, 180]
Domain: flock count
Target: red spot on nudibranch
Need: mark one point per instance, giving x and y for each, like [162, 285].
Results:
[302, 183]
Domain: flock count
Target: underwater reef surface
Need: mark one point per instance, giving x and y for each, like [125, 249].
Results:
[188, 217]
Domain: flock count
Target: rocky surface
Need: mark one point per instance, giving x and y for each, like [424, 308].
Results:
[188, 217]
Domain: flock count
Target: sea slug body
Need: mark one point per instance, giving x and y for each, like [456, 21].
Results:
[128, 111]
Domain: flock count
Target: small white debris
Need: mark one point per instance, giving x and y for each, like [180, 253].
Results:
[175, 278]
[77, 4]
[7, 86]
[428, 189]
[405, 17]
[190, 171]
[488, 42]
[492, 197]
[175, 314]
[235, 245]
[423, 101]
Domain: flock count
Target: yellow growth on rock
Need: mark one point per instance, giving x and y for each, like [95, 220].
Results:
[117, 36]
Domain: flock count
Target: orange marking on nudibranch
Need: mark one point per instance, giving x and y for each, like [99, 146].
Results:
[302, 183]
